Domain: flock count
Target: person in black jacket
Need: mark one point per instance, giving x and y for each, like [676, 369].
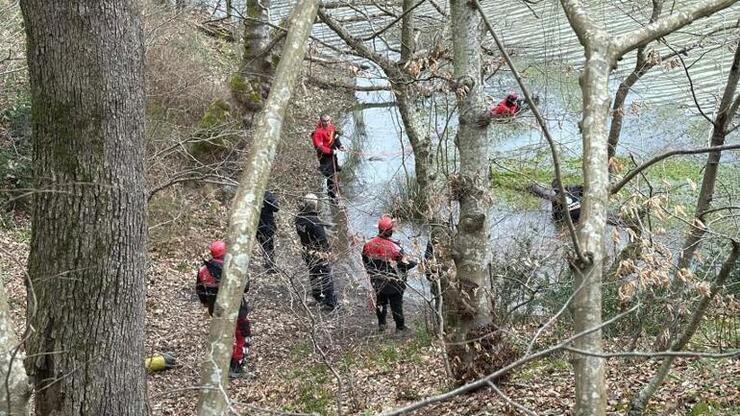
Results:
[316, 251]
[266, 230]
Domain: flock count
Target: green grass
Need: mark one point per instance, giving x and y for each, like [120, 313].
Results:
[510, 178]
[312, 395]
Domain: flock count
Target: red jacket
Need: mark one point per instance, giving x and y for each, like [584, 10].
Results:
[504, 109]
[323, 138]
[378, 253]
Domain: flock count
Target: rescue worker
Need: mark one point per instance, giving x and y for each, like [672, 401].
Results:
[209, 277]
[379, 256]
[266, 230]
[573, 196]
[508, 107]
[316, 252]
[326, 141]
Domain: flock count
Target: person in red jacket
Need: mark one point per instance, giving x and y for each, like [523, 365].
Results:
[326, 141]
[387, 265]
[508, 107]
[209, 277]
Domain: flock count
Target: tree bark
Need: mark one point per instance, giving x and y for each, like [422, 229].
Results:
[246, 210]
[472, 315]
[15, 391]
[251, 85]
[408, 43]
[87, 262]
[637, 407]
[725, 114]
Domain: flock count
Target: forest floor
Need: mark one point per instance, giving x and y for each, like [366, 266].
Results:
[305, 361]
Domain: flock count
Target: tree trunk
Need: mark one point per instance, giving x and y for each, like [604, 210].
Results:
[589, 370]
[725, 114]
[251, 85]
[408, 43]
[15, 394]
[87, 262]
[246, 210]
[421, 144]
[637, 407]
[471, 313]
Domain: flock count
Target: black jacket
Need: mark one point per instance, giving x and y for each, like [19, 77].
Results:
[311, 231]
[267, 215]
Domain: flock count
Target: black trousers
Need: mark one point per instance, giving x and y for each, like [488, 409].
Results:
[266, 238]
[329, 167]
[322, 283]
[389, 293]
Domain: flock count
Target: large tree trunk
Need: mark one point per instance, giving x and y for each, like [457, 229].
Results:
[13, 396]
[589, 370]
[245, 212]
[586, 306]
[725, 114]
[471, 306]
[88, 238]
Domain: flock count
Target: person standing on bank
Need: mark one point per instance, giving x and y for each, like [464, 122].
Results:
[266, 230]
[326, 141]
[206, 286]
[316, 251]
[387, 265]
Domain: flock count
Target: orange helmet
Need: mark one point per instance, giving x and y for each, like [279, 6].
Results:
[218, 249]
[385, 223]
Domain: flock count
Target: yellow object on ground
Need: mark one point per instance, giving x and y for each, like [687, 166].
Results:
[159, 362]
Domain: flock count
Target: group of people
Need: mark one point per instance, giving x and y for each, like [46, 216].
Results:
[383, 257]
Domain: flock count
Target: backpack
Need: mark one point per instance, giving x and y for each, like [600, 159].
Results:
[207, 286]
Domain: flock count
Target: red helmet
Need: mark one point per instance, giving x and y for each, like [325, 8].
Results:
[218, 249]
[385, 223]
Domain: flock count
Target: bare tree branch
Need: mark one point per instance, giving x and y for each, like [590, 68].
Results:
[636, 38]
[628, 177]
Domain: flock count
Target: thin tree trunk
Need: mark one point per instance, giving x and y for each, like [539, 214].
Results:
[408, 43]
[15, 391]
[589, 370]
[725, 114]
[642, 66]
[246, 210]
[472, 316]
[637, 407]
[87, 262]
